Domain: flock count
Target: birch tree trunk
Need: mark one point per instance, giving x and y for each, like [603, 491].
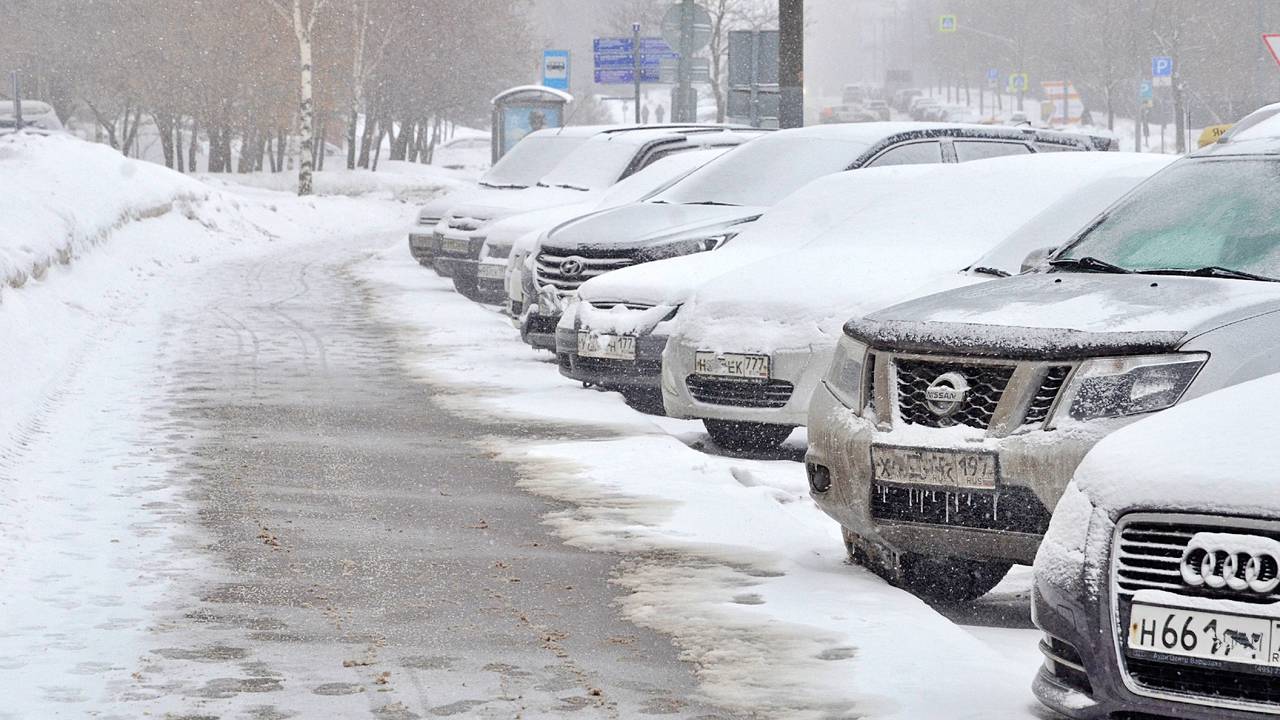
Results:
[302, 31]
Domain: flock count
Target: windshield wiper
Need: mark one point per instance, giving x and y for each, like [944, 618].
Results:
[1089, 264]
[984, 270]
[503, 186]
[712, 202]
[568, 186]
[1212, 271]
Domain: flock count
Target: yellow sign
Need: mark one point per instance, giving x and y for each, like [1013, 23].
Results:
[1212, 133]
[947, 23]
[1017, 82]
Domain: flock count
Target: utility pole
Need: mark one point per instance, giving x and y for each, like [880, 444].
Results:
[635, 65]
[17, 99]
[791, 63]
[681, 110]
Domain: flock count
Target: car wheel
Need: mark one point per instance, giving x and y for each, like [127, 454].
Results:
[935, 579]
[734, 435]
[467, 288]
[949, 580]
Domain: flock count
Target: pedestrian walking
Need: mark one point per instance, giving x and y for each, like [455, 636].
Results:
[644, 115]
[662, 114]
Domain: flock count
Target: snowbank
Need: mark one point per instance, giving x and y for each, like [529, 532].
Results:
[60, 196]
[409, 182]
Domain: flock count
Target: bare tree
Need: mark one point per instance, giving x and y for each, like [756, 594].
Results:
[303, 23]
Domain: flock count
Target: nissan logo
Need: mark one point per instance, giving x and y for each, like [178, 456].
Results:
[1237, 562]
[572, 267]
[946, 394]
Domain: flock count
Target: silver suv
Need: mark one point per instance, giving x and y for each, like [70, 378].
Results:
[947, 427]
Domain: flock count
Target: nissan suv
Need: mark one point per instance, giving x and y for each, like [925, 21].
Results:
[948, 426]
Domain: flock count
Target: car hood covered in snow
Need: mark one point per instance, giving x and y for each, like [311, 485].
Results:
[1216, 453]
[495, 204]
[939, 220]
[1064, 315]
[643, 224]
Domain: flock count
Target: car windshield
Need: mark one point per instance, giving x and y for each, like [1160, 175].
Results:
[1198, 215]
[530, 159]
[593, 165]
[764, 171]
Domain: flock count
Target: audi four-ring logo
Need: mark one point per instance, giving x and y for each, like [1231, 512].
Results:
[1238, 562]
[572, 267]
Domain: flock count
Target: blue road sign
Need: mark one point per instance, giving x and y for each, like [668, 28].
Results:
[1161, 66]
[625, 76]
[611, 45]
[655, 46]
[1145, 91]
[993, 74]
[555, 69]
[624, 60]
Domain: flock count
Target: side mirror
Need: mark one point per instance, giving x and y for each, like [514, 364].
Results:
[1036, 258]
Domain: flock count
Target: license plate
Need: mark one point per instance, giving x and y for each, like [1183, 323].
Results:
[459, 246]
[1204, 635]
[941, 468]
[492, 272]
[734, 365]
[608, 347]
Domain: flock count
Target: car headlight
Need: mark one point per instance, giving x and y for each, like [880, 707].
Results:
[683, 247]
[1120, 386]
[845, 375]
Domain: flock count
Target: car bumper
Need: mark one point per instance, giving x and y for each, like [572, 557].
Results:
[794, 374]
[1084, 627]
[643, 372]
[1034, 468]
[420, 246]
[539, 330]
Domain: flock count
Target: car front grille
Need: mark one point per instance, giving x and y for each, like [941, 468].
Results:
[1009, 509]
[986, 385]
[1146, 555]
[1046, 395]
[739, 393]
[555, 269]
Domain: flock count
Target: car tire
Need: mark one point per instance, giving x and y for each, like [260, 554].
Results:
[942, 580]
[468, 289]
[735, 435]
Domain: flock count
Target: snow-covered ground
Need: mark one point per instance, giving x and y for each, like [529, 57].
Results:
[726, 554]
[98, 254]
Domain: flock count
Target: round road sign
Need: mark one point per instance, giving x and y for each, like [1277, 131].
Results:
[671, 22]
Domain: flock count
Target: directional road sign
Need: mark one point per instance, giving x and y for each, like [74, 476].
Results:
[555, 69]
[626, 76]
[1162, 71]
[614, 60]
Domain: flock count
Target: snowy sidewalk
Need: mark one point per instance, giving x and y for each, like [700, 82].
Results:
[727, 555]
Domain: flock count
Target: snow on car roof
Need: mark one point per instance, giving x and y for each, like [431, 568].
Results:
[869, 238]
[1216, 453]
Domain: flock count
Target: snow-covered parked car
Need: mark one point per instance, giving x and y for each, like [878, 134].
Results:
[949, 425]
[36, 117]
[709, 206]
[1157, 583]
[592, 167]
[752, 344]
[504, 272]
[531, 158]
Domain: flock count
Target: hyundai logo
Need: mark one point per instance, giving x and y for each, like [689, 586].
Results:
[1237, 562]
[572, 267]
[946, 394]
